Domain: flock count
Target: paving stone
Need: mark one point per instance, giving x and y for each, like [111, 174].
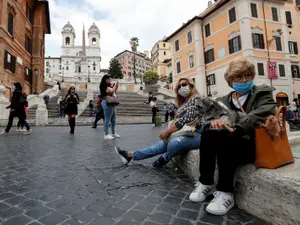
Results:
[153, 199]
[177, 194]
[145, 207]
[216, 220]
[172, 200]
[150, 223]
[127, 222]
[114, 212]
[53, 219]
[124, 204]
[135, 197]
[34, 223]
[178, 221]
[160, 218]
[136, 216]
[168, 208]
[100, 206]
[19, 220]
[191, 205]
[187, 214]
[159, 193]
[11, 212]
[71, 222]
[103, 220]
[6, 196]
[85, 216]
[38, 212]
[30, 204]
[16, 200]
[3, 206]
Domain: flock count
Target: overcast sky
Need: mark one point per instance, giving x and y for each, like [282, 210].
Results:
[118, 21]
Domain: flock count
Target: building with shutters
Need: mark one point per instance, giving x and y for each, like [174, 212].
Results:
[23, 25]
[264, 32]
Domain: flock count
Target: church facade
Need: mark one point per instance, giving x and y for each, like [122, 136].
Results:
[79, 62]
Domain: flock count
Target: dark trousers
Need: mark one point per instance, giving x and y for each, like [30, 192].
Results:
[98, 117]
[229, 151]
[166, 116]
[22, 125]
[12, 115]
[154, 112]
[172, 115]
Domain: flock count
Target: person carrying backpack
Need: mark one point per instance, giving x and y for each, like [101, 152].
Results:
[99, 111]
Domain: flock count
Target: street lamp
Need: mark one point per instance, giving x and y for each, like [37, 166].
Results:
[89, 80]
[63, 74]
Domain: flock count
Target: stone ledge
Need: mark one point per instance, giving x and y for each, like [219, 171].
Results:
[271, 195]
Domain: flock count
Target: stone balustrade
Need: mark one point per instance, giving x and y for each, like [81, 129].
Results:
[4, 102]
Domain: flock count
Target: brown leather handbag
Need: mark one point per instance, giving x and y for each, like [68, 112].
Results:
[273, 152]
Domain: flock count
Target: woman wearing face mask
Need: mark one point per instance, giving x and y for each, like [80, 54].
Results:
[232, 149]
[72, 100]
[186, 100]
[107, 88]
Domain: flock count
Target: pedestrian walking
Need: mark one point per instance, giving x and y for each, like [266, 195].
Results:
[62, 109]
[108, 91]
[20, 127]
[71, 109]
[172, 111]
[99, 111]
[46, 100]
[153, 105]
[16, 107]
[166, 112]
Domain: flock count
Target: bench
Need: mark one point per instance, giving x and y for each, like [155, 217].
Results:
[271, 195]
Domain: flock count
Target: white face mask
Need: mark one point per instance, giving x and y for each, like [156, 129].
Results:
[13, 88]
[184, 91]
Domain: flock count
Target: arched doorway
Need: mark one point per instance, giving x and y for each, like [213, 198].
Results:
[282, 99]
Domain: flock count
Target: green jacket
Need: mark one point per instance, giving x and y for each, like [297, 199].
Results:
[260, 105]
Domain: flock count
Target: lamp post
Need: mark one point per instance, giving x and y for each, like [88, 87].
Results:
[63, 74]
[89, 80]
[36, 72]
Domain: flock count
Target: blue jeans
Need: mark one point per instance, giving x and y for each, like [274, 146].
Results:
[109, 116]
[175, 147]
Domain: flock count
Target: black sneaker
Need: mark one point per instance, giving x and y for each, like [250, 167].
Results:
[124, 155]
[160, 162]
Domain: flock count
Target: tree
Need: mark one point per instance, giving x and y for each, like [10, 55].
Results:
[134, 43]
[150, 77]
[115, 69]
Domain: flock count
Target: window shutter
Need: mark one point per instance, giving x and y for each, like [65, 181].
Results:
[240, 43]
[296, 48]
[230, 46]
[13, 65]
[205, 57]
[289, 20]
[261, 41]
[213, 55]
[253, 38]
[5, 60]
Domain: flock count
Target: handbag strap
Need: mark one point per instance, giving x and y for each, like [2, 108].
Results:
[281, 109]
[239, 103]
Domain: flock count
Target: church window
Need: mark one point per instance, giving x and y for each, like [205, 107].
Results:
[67, 41]
[94, 41]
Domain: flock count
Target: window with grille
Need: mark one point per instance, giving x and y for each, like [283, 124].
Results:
[274, 14]
[191, 61]
[178, 67]
[261, 69]
[289, 19]
[209, 56]
[207, 30]
[235, 45]
[295, 71]
[10, 24]
[258, 41]
[281, 70]
[189, 37]
[177, 45]
[9, 61]
[293, 47]
[278, 44]
[254, 12]
[232, 15]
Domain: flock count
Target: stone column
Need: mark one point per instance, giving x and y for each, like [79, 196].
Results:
[4, 102]
[41, 116]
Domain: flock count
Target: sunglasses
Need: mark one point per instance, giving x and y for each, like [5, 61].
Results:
[183, 85]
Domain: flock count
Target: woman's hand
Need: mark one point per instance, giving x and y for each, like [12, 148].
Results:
[218, 124]
[163, 135]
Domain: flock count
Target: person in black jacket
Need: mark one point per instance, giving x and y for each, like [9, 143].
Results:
[71, 109]
[16, 107]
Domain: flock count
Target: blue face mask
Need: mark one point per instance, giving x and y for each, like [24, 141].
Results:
[243, 88]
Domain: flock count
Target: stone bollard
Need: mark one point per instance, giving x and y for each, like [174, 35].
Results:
[41, 116]
[4, 102]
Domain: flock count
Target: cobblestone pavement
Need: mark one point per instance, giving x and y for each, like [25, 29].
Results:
[51, 177]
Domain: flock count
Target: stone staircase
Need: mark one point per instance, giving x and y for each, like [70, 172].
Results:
[131, 104]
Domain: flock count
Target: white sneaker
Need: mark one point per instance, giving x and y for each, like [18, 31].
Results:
[108, 137]
[23, 130]
[18, 129]
[27, 132]
[3, 132]
[221, 203]
[201, 192]
[115, 135]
